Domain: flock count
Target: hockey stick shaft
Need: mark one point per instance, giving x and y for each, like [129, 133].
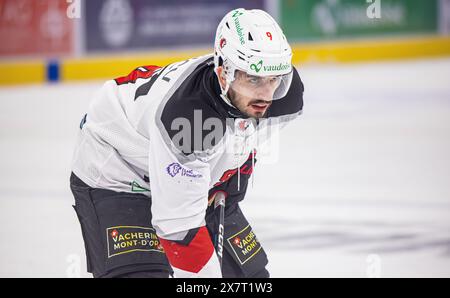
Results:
[219, 202]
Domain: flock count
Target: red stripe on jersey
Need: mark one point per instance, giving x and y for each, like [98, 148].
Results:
[143, 72]
[192, 257]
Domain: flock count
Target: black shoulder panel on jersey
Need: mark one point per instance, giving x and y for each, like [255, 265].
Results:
[293, 101]
[187, 114]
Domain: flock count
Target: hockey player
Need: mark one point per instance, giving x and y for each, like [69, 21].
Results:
[159, 146]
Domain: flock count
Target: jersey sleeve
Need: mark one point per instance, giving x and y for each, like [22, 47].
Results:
[179, 189]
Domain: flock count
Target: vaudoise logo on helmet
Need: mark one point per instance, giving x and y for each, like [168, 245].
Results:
[239, 29]
[269, 68]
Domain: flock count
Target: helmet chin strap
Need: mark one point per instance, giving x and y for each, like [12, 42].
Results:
[225, 96]
[227, 100]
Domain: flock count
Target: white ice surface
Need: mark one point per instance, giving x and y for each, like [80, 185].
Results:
[364, 171]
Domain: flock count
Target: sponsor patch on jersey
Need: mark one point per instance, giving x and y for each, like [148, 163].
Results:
[175, 169]
[245, 245]
[126, 239]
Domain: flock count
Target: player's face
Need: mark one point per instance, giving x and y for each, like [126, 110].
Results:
[252, 95]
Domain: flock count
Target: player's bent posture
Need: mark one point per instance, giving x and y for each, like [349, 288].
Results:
[159, 146]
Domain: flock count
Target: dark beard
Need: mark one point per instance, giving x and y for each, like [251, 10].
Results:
[232, 95]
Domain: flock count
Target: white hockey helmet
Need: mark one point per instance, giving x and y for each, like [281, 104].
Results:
[251, 41]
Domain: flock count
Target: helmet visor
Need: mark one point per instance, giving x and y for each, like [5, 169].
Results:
[265, 88]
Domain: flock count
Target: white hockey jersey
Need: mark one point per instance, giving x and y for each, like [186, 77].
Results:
[165, 132]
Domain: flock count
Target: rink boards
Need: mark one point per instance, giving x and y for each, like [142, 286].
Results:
[104, 67]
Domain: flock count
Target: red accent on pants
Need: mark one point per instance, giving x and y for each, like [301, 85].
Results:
[192, 257]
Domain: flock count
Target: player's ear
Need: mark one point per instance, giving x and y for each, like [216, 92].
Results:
[221, 76]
